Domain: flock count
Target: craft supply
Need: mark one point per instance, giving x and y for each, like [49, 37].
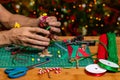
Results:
[81, 58]
[47, 59]
[108, 65]
[38, 59]
[45, 53]
[23, 59]
[102, 52]
[112, 48]
[21, 71]
[77, 64]
[59, 54]
[47, 70]
[12, 47]
[87, 42]
[19, 58]
[58, 51]
[33, 59]
[49, 76]
[74, 51]
[60, 46]
[70, 49]
[40, 71]
[77, 38]
[48, 28]
[95, 70]
[43, 21]
[83, 52]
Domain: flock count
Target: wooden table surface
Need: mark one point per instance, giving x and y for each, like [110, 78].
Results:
[68, 74]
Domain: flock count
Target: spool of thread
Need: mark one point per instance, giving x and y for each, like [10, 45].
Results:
[108, 65]
[95, 70]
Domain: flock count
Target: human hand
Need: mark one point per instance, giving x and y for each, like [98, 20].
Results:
[52, 22]
[29, 36]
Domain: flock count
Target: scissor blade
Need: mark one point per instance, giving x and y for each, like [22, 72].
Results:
[38, 64]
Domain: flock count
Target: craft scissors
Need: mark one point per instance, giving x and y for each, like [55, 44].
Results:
[21, 71]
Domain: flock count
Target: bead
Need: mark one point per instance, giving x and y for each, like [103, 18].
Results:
[58, 51]
[38, 59]
[59, 56]
[33, 59]
[47, 59]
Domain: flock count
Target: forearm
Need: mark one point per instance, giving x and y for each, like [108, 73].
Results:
[4, 38]
[8, 19]
[23, 21]
[4, 16]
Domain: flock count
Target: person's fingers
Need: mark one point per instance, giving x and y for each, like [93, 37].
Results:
[35, 42]
[38, 37]
[34, 46]
[54, 29]
[51, 18]
[39, 30]
[55, 37]
[54, 24]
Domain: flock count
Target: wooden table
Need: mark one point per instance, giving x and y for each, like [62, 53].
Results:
[68, 74]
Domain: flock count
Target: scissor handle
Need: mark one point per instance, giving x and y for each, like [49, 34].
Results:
[7, 71]
[17, 72]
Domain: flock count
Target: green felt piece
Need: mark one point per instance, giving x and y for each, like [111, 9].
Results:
[25, 58]
[75, 48]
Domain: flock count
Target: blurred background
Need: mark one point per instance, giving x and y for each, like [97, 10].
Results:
[78, 17]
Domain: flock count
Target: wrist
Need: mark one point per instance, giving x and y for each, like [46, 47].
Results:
[34, 22]
[4, 35]
[23, 21]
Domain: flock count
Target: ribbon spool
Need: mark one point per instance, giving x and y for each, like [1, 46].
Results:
[108, 65]
[95, 70]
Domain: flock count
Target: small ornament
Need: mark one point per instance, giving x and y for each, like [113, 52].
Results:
[45, 53]
[47, 70]
[43, 23]
[17, 25]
